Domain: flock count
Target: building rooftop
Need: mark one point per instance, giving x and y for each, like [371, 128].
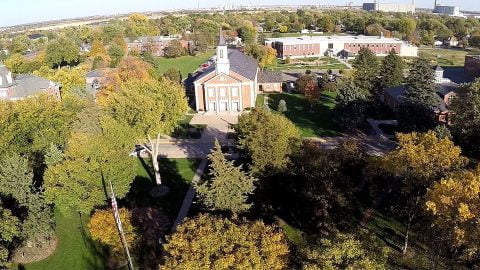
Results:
[266, 76]
[338, 38]
[28, 84]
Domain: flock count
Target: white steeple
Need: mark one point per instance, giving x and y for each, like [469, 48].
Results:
[223, 63]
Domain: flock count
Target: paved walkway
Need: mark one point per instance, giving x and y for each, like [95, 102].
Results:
[372, 144]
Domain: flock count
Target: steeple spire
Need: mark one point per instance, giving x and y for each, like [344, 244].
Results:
[221, 38]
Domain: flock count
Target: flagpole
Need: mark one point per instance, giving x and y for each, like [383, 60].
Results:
[116, 215]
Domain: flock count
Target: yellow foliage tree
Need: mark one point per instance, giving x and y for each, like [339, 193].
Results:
[102, 227]
[209, 242]
[454, 202]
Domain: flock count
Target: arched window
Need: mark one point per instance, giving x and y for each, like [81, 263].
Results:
[221, 53]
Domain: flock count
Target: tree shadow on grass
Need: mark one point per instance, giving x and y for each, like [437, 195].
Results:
[320, 122]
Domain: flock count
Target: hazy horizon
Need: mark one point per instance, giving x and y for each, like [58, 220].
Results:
[33, 11]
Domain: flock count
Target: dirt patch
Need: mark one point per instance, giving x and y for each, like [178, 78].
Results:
[30, 253]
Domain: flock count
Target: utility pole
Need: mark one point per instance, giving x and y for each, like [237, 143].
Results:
[116, 215]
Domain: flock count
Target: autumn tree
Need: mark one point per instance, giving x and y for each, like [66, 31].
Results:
[303, 81]
[61, 52]
[266, 56]
[103, 228]
[366, 70]
[174, 49]
[138, 25]
[68, 78]
[98, 50]
[312, 93]
[343, 251]
[228, 186]
[206, 241]
[391, 71]
[419, 160]
[454, 204]
[20, 44]
[267, 139]
[248, 33]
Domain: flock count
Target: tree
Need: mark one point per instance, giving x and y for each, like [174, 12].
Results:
[206, 242]
[282, 106]
[149, 107]
[343, 251]
[374, 30]
[60, 52]
[53, 155]
[103, 228]
[366, 70]
[248, 33]
[228, 187]
[303, 81]
[326, 24]
[91, 160]
[116, 54]
[29, 126]
[392, 71]
[419, 160]
[173, 75]
[266, 56]
[20, 44]
[131, 68]
[454, 205]
[466, 118]
[267, 139]
[174, 49]
[68, 78]
[351, 104]
[416, 113]
[139, 25]
[98, 49]
[312, 93]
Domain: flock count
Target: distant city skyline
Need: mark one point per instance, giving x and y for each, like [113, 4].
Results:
[31, 11]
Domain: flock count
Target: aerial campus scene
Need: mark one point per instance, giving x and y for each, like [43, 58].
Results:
[225, 135]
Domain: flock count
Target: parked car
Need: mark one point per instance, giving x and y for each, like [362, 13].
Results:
[139, 151]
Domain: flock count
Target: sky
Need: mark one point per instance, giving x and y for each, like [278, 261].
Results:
[28, 11]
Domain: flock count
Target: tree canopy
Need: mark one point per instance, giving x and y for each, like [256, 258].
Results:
[209, 242]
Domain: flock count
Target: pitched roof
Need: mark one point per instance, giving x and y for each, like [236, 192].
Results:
[27, 85]
[266, 76]
[97, 73]
[242, 64]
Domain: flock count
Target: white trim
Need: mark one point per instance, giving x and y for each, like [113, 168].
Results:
[196, 95]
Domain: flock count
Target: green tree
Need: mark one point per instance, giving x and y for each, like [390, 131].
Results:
[392, 71]
[116, 54]
[149, 107]
[20, 44]
[266, 56]
[228, 187]
[62, 51]
[343, 252]
[416, 113]
[53, 155]
[326, 24]
[248, 33]
[268, 140]
[91, 160]
[173, 75]
[366, 70]
[206, 242]
[466, 117]
[351, 104]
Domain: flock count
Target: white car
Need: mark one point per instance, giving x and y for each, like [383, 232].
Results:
[139, 151]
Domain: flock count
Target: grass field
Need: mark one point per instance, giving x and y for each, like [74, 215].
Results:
[260, 101]
[446, 57]
[311, 124]
[76, 251]
[186, 64]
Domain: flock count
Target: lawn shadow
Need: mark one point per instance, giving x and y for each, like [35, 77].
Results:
[311, 124]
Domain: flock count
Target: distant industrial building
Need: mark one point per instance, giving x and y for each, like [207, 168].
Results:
[338, 46]
[390, 7]
[447, 10]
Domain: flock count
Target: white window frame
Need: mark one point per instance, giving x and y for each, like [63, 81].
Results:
[223, 92]
[234, 91]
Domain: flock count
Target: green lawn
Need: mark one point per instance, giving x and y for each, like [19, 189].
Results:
[311, 124]
[186, 64]
[328, 63]
[446, 57]
[76, 251]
